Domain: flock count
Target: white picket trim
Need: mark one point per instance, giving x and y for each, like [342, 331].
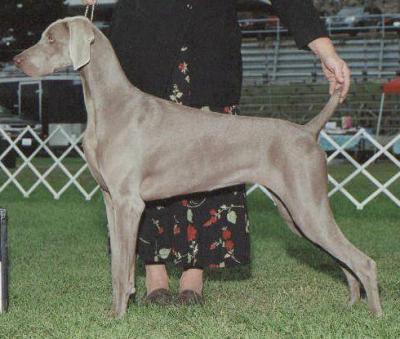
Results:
[74, 145]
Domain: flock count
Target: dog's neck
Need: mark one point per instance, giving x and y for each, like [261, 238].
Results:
[103, 79]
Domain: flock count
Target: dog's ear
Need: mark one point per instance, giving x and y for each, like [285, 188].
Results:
[81, 37]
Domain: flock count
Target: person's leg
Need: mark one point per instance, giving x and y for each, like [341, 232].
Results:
[191, 286]
[192, 279]
[157, 285]
[156, 278]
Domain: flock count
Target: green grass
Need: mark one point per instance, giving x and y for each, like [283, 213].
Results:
[61, 287]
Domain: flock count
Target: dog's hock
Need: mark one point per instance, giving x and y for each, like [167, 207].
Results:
[81, 37]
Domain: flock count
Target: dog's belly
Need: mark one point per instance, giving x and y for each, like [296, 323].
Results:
[202, 162]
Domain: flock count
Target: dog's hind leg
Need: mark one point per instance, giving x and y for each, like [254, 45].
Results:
[352, 281]
[354, 286]
[302, 189]
[283, 211]
[123, 238]
[315, 221]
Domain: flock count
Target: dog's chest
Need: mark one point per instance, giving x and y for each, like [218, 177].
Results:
[90, 146]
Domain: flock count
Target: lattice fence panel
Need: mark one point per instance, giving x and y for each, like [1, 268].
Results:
[375, 151]
[58, 170]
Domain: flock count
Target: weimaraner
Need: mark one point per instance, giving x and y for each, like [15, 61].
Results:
[141, 148]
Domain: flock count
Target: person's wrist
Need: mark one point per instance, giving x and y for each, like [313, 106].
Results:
[323, 47]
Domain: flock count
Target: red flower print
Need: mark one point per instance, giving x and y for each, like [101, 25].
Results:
[183, 67]
[177, 230]
[184, 203]
[210, 221]
[229, 245]
[227, 109]
[213, 218]
[213, 246]
[191, 233]
[226, 234]
[160, 230]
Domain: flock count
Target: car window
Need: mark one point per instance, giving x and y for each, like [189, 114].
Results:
[350, 11]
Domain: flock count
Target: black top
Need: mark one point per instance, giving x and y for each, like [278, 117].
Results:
[148, 34]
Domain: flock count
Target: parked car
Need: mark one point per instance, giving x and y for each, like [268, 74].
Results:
[250, 25]
[347, 20]
[392, 24]
[257, 19]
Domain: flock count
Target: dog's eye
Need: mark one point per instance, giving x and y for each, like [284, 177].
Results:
[50, 38]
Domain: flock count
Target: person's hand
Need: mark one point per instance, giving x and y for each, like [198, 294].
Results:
[335, 68]
[88, 2]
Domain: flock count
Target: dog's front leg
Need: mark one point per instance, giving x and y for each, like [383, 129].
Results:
[123, 228]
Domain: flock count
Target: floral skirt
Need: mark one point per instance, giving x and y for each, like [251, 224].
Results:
[199, 230]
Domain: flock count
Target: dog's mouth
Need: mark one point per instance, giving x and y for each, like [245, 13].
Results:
[25, 66]
[32, 71]
[29, 70]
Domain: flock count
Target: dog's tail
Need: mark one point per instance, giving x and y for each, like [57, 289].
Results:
[315, 125]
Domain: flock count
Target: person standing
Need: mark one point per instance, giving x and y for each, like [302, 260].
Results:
[188, 51]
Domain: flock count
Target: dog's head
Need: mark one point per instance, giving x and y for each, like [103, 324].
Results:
[64, 43]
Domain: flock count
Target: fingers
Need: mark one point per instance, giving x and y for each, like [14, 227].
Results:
[332, 86]
[330, 76]
[346, 83]
[338, 72]
[342, 79]
[338, 75]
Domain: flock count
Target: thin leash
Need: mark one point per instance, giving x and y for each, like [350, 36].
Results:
[91, 12]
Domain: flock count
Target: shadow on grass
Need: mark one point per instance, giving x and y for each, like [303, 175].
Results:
[316, 259]
[298, 248]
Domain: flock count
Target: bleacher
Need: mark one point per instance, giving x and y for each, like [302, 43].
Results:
[282, 81]
[300, 102]
[272, 60]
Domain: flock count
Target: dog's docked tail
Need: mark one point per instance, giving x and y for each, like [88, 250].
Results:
[315, 125]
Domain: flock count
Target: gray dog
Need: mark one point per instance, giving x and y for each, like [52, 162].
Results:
[140, 148]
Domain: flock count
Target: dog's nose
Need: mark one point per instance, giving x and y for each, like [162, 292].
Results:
[17, 60]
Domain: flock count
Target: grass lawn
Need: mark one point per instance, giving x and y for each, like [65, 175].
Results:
[61, 284]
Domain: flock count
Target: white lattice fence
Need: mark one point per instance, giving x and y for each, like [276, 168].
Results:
[55, 163]
[44, 162]
[377, 150]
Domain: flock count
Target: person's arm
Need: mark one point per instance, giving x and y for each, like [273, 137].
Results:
[309, 32]
[301, 19]
[335, 68]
